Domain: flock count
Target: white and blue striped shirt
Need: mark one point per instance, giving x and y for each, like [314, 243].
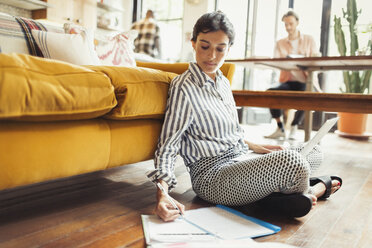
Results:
[200, 121]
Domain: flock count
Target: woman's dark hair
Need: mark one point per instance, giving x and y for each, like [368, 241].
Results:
[212, 22]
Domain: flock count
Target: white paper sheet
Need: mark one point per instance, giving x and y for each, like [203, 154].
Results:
[179, 230]
[209, 224]
[226, 225]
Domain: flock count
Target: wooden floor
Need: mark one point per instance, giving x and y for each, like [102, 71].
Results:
[103, 209]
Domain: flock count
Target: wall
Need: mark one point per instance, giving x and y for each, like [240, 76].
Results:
[124, 16]
[127, 5]
[128, 13]
[15, 11]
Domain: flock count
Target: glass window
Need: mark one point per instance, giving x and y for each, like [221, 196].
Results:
[268, 25]
[268, 28]
[265, 28]
[310, 15]
[364, 25]
[238, 17]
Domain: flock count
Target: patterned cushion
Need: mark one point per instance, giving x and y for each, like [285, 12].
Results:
[12, 38]
[111, 50]
[27, 26]
[40, 89]
[117, 50]
[71, 28]
[13, 35]
[72, 48]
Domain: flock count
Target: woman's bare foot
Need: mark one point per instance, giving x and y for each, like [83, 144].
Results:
[319, 189]
[313, 199]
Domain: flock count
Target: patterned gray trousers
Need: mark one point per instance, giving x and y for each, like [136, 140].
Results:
[220, 180]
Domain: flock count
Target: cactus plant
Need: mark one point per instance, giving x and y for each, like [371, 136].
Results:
[354, 81]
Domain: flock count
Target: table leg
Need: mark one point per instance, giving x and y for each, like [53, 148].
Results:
[308, 124]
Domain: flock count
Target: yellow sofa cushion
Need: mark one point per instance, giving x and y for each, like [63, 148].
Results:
[33, 88]
[140, 92]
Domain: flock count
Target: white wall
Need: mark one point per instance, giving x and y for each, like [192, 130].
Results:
[15, 11]
[191, 14]
[128, 13]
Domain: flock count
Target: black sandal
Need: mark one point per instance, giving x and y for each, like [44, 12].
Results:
[291, 205]
[327, 181]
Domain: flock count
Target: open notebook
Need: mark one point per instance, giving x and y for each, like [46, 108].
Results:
[206, 225]
[308, 146]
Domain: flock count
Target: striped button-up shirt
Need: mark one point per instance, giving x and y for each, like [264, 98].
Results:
[200, 121]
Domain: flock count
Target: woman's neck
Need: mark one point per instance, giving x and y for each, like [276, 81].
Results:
[212, 76]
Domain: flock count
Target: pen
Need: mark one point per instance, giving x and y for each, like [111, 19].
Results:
[169, 198]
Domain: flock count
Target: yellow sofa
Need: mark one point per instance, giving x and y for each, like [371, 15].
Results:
[58, 120]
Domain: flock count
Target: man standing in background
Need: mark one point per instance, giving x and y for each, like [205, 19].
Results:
[148, 40]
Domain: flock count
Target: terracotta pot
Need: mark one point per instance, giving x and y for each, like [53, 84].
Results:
[352, 123]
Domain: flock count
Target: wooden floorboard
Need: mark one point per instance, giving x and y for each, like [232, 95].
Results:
[327, 213]
[103, 209]
[353, 229]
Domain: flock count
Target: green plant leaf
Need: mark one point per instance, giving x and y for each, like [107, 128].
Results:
[352, 17]
[355, 86]
[339, 36]
[366, 79]
[346, 81]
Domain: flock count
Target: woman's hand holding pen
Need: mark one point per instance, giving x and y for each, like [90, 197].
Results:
[164, 208]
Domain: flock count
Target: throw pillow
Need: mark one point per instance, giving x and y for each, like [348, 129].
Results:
[72, 48]
[117, 50]
[13, 37]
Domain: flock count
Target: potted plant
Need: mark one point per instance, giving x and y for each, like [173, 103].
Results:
[354, 81]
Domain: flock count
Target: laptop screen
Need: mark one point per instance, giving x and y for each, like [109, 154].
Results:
[319, 135]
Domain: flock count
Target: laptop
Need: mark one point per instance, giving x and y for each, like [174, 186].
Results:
[308, 146]
[318, 136]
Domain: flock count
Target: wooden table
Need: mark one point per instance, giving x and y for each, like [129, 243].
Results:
[309, 100]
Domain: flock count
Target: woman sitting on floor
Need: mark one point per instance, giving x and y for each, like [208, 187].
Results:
[201, 124]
